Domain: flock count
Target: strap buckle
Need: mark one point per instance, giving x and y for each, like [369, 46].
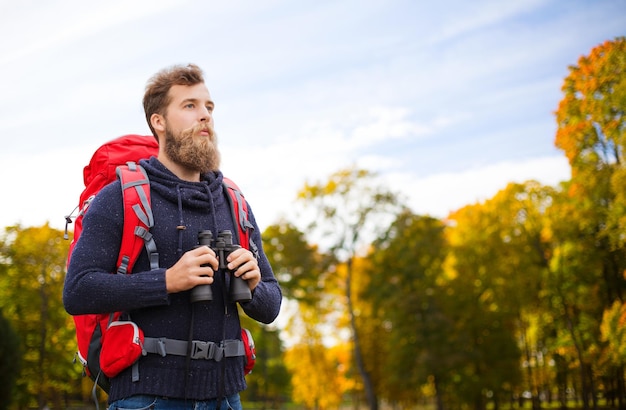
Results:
[202, 350]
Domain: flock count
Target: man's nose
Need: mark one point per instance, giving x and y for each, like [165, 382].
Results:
[205, 114]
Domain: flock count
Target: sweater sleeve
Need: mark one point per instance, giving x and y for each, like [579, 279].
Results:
[267, 297]
[91, 284]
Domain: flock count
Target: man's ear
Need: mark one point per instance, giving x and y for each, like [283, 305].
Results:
[158, 122]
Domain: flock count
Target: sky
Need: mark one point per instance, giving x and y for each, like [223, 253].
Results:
[446, 101]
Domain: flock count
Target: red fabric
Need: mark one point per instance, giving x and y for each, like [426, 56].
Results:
[132, 244]
[250, 357]
[238, 204]
[121, 347]
[100, 171]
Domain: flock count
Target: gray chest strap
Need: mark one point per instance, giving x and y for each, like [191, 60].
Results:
[199, 349]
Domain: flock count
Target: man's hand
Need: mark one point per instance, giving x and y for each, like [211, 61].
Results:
[188, 272]
[243, 264]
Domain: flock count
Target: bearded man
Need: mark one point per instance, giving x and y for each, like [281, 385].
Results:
[187, 198]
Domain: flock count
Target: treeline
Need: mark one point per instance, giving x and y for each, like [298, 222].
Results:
[518, 299]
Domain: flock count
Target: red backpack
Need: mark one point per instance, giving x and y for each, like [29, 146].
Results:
[119, 158]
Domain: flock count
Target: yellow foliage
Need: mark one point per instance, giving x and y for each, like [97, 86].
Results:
[614, 332]
[319, 374]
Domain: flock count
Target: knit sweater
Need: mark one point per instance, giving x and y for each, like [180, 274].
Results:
[91, 288]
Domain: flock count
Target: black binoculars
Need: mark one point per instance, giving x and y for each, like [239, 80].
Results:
[223, 246]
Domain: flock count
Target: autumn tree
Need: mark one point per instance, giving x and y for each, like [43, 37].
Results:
[310, 306]
[591, 131]
[269, 381]
[320, 373]
[299, 266]
[613, 331]
[488, 267]
[348, 212]
[30, 296]
[520, 243]
[412, 333]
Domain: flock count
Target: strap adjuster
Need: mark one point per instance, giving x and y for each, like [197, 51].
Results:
[161, 349]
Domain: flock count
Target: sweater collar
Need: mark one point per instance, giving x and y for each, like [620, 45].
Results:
[207, 193]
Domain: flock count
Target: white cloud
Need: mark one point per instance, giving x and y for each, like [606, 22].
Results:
[40, 188]
[384, 124]
[438, 195]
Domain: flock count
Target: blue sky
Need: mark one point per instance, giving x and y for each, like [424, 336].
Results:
[449, 101]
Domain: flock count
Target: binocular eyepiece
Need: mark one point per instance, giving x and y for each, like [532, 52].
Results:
[223, 246]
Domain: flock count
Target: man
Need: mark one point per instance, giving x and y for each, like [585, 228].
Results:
[187, 197]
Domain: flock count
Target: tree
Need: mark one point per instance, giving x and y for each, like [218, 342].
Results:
[591, 129]
[30, 296]
[487, 266]
[614, 334]
[319, 374]
[520, 245]
[349, 212]
[269, 380]
[299, 266]
[614, 331]
[411, 331]
[302, 271]
[592, 132]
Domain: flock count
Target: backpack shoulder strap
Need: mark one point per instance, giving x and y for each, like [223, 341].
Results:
[239, 212]
[138, 218]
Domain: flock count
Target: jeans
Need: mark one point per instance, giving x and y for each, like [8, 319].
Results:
[145, 402]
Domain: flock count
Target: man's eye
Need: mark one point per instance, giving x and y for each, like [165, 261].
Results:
[209, 108]
[190, 105]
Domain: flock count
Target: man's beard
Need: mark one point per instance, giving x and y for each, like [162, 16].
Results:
[193, 151]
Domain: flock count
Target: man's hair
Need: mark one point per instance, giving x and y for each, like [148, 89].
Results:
[156, 98]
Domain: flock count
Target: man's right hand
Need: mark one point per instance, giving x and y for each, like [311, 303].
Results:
[195, 267]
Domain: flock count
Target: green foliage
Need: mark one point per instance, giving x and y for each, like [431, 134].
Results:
[587, 269]
[31, 298]
[403, 274]
[614, 332]
[269, 381]
[299, 267]
[350, 207]
[348, 211]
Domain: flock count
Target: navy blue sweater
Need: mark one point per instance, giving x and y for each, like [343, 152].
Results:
[91, 288]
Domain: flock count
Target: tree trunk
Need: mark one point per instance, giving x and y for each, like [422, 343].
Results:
[621, 388]
[438, 395]
[41, 399]
[370, 394]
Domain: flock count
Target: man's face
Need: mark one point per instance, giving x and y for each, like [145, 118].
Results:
[189, 136]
